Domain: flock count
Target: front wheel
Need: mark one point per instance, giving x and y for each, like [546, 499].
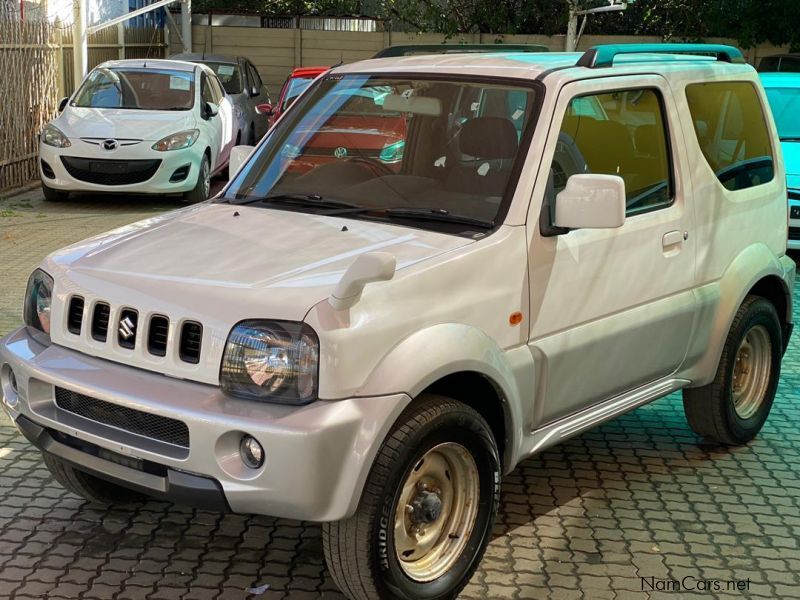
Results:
[90, 488]
[427, 509]
[52, 195]
[732, 409]
[202, 188]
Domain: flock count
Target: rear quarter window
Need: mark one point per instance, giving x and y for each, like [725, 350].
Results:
[732, 132]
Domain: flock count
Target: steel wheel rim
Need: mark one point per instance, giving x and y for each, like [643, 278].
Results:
[751, 372]
[446, 476]
[206, 179]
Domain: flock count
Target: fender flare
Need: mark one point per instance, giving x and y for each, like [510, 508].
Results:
[435, 352]
[752, 265]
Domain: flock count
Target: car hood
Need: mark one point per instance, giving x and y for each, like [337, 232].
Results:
[114, 123]
[791, 158]
[233, 262]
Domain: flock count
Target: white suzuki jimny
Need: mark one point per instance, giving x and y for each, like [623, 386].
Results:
[431, 268]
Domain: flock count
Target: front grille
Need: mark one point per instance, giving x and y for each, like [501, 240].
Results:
[191, 340]
[110, 172]
[163, 429]
[75, 315]
[157, 335]
[102, 313]
[794, 233]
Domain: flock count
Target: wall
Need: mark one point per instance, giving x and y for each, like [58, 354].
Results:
[276, 51]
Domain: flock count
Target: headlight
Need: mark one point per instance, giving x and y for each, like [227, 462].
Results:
[53, 136]
[393, 153]
[38, 299]
[272, 361]
[177, 141]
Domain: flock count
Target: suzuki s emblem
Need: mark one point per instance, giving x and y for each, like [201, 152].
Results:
[127, 328]
[110, 144]
[340, 152]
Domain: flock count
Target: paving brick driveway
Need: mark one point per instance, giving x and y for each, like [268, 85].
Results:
[637, 497]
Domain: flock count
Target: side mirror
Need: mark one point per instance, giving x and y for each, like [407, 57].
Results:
[591, 201]
[210, 110]
[265, 109]
[254, 91]
[62, 104]
[368, 267]
[239, 155]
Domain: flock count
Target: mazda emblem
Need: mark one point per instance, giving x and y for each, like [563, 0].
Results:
[110, 144]
[127, 328]
[340, 152]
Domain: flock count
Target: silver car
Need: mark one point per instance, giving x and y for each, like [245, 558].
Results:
[245, 90]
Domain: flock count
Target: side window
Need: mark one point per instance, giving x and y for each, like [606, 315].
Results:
[732, 132]
[216, 90]
[255, 78]
[616, 133]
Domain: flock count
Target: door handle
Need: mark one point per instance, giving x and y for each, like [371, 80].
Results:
[673, 238]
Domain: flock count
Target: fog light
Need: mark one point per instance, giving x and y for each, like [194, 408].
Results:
[252, 452]
[12, 381]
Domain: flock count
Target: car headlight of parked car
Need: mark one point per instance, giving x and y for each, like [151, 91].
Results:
[53, 136]
[393, 153]
[177, 141]
[271, 361]
[38, 300]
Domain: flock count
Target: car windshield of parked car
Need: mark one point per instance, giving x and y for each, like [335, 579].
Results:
[137, 89]
[295, 87]
[229, 75]
[785, 104]
[395, 148]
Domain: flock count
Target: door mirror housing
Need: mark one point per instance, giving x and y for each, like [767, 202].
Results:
[62, 104]
[591, 201]
[265, 109]
[210, 110]
[239, 155]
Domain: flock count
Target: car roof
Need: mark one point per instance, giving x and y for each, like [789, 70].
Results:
[203, 57]
[308, 71]
[154, 63]
[780, 79]
[530, 65]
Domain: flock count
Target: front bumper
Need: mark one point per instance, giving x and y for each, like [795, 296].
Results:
[54, 173]
[317, 456]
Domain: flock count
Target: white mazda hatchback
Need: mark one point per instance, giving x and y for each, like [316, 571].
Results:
[139, 126]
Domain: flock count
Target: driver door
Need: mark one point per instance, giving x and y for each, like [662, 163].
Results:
[211, 125]
[612, 309]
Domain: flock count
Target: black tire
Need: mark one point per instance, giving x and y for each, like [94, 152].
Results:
[251, 138]
[710, 409]
[89, 487]
[201, 190]
[360, 551]
[52, 195]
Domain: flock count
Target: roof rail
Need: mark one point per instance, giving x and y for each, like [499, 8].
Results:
[603, 56]
[412, 49]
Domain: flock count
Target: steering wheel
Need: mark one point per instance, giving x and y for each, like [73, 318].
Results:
[373, 164]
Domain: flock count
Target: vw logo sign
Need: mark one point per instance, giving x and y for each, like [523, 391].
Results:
[340, 152]
[127, 328]
[110, 144]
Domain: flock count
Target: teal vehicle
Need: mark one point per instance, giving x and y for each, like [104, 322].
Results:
[783, 93]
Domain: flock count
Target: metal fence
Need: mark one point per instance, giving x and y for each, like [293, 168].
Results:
[29, 54]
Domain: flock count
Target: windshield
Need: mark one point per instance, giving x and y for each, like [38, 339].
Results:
[229, 75]
[296, 86]
[388, 145]
[785, 104]
[137, 88]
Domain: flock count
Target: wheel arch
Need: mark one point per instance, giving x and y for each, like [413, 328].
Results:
[755, 271]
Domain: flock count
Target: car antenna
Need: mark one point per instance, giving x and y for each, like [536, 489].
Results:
[150, 45]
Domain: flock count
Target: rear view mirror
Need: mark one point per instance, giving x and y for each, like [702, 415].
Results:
[62, 104]
[239, 155]
[591, 201]
[264, 109]
[415, 105]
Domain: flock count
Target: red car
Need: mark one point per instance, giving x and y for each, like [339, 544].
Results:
[295, 84]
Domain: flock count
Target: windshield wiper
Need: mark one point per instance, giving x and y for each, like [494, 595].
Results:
[791, 138]
[437, 214]
[312, 200]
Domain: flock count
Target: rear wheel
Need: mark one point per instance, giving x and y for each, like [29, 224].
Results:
[427, 509]
[89, 487]
[732, 409]
[202, 188]
[52, 195]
